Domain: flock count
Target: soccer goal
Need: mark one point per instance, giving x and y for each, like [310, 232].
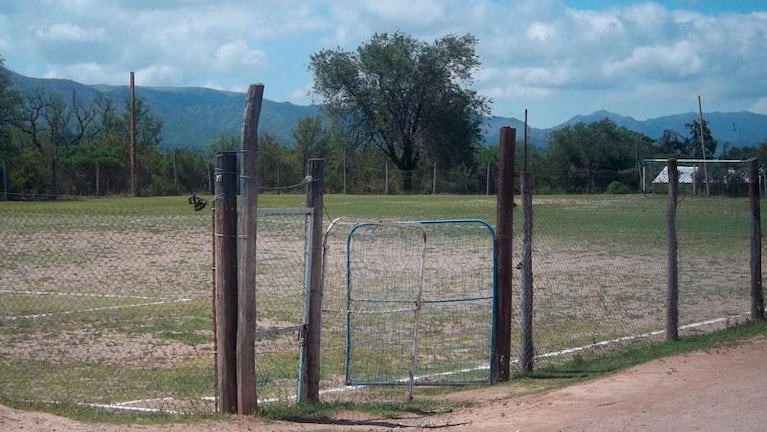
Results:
[720, 177]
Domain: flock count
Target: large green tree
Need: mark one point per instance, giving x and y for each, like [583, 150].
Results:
[405, 96]
[587, 157]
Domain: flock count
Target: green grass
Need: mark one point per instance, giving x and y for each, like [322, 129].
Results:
[603, 225]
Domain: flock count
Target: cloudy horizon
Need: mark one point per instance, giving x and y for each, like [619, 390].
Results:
[556, 58]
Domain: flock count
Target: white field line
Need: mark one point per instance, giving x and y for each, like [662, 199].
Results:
[104, 308]
[126, 405]
[74, 294]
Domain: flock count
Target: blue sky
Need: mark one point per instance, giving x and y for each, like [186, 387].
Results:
[556, 58]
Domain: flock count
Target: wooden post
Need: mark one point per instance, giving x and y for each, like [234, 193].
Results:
[757, 296]
[672, 297]
[526, 307]
[501, 341]
[314, 199]
[226, 281]
[132, 132]
[434, 180]
[246, 315]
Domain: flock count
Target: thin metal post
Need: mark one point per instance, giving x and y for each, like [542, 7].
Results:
[132, 132]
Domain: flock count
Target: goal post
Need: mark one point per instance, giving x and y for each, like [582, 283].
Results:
[724, 176]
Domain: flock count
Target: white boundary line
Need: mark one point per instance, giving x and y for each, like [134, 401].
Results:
[125, 406]
[74, 294]
[70, 312]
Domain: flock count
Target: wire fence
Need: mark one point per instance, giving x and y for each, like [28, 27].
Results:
[106, 306]
[109, 303]
[600, 270]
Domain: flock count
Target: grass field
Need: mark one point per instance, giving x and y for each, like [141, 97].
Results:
[108, 301]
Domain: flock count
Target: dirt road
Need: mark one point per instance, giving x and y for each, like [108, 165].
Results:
[716, 390]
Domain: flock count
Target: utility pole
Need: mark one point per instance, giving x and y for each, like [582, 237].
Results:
[133, 183]
[703, 147]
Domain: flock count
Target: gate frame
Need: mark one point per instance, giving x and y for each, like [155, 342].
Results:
[493, 297]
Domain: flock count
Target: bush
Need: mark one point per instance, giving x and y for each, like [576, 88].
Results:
[615, 188]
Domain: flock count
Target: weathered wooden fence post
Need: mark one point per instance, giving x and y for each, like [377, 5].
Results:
[226, 281]
[314, 199]
[757, 297]
[501, 341]
[526, 307]
[246, 262]
[672, 297]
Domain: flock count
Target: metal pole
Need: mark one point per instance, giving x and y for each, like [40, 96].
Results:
[434, 180]
[703, 147]
[132, 131]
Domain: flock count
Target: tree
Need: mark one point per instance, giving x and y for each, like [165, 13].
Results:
[311, 138]
[672, 144]
[9, 98]
[709, 143]
[53, 124]
[404, 96]
[587, 157]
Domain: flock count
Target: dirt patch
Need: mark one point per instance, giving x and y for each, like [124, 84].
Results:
[719, 389]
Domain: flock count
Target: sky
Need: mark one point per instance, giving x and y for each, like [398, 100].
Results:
[555, 58]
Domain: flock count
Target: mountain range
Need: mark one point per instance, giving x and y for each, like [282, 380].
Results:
[195, 116]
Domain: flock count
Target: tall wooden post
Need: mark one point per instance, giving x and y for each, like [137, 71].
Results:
[132, 132]
[246, 315]
[672, 295]
[314, 199]
[501, 341]
[226, 281]
[757, 296]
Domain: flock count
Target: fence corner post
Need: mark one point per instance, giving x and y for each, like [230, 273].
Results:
[226, 281]
[672, 294]
[310, 386]
[757, 296]
[501, 340]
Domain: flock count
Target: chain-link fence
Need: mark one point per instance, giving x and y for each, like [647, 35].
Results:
[106, 303]
[600, 269]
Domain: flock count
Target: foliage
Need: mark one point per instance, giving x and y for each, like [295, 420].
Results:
[587, 157]
[405, 97]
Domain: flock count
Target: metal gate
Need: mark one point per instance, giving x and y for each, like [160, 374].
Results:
[420, 301]
[282, 275]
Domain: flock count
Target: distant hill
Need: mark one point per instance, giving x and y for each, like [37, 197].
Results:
[741, 129]
[194, 116]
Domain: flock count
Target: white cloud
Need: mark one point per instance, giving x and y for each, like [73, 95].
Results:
[759, 106]
[631, 57]
[237, 53]
[679, 60]
[68, 32]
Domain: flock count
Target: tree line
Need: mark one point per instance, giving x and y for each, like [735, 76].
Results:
[399, 118]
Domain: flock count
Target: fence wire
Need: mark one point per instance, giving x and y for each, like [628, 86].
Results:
[600, 270]
[106, 306]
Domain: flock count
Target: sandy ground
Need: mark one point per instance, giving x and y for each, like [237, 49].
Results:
[721, 389]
